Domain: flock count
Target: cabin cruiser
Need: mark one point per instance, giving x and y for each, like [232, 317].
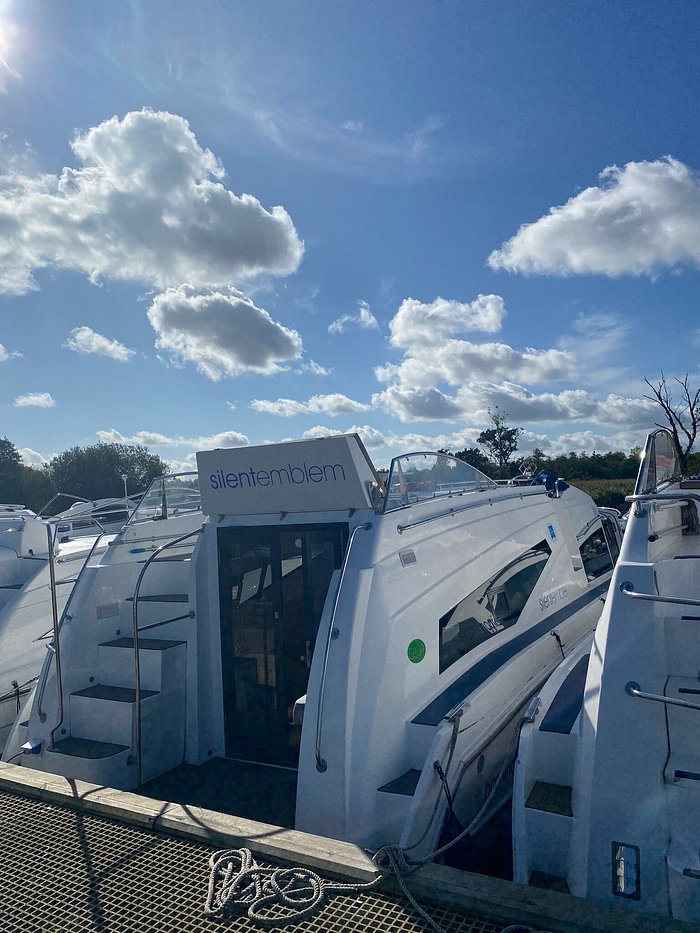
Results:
[23, 548]
[606, 801]
[46, 558]
[323, 630]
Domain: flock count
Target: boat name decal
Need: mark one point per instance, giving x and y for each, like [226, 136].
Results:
[557, 595]
[283, 476]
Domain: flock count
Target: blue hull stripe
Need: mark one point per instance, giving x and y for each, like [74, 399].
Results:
[438, 708]
[566, 705]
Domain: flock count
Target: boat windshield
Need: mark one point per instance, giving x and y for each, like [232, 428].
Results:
[168, 496]
[418, 476]
[659, 463]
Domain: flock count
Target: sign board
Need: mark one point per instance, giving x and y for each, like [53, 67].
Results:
[322, 474]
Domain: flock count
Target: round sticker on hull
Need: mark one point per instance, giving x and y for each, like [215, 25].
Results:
[416, 651]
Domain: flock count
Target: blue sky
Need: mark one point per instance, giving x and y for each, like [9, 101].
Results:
[235, 223]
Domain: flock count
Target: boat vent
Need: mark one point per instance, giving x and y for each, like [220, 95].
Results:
[65, 870]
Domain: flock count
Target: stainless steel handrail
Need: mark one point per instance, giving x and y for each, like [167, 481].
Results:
[533, 490]
[632, 689]
[135, 635]
[56, 641]
[660, 497]
[321, 764]
[626, 590]
[64, 615]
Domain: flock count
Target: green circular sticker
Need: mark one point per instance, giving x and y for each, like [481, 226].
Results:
[416, 651]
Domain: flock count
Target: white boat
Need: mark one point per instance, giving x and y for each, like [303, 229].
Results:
[23, 548]
[328, 627]
[44, 559]
[24, 545]
[606, 800]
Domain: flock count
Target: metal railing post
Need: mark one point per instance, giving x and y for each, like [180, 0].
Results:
[135, 638]
[56, 640]
[65, 615]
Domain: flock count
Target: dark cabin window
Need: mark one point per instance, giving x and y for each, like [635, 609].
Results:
[493, 606]
[595, 555]
[611, 536]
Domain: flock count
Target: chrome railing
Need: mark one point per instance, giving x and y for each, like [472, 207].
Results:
[626, 588]
[136, 744]
[633, 689]
[65, 616]
[532, 491]
[660, 497]
[321, 764]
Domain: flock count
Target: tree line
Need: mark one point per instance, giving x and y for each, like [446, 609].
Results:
[97, 471]
[94, 472]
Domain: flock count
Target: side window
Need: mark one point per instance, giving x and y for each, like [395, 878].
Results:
[595, 555]
[492, 607]
[611, 537]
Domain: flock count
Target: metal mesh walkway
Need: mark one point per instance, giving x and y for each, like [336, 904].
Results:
[64, 871]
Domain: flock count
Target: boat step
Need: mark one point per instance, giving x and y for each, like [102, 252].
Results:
[87, 748]
[148, 644]
[541, 879]
[680, 775]
[551, 798]
[405, 784]
[163, 598]
[118, 694]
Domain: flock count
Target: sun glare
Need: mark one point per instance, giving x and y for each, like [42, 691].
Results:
[8, 41]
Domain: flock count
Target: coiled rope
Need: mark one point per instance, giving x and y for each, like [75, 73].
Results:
[280, 897]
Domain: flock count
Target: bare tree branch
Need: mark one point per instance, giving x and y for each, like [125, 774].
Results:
[683, 417]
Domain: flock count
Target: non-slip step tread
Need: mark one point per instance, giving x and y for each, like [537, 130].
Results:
[162, 598]
[551, 798]
[148, 644]
[405, 784]
[117, 694]
[87, 748]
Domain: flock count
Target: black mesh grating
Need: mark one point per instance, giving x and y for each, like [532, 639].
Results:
[62, 871]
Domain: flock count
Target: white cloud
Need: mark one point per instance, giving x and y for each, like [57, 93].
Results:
[156, 439]
[86, 340]
[314, 368]
[416, 322]
[6, 354]
[364, 319]
[333, 404]
[369, 436]
[472, 402]
[32, 458]
[147, 205]
[221, 331]
[643, 218]
[445, 378]
[34, 400]
[353, 126]
[413, 404]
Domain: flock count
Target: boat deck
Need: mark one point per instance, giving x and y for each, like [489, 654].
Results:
[242, 788]
[77, 858]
